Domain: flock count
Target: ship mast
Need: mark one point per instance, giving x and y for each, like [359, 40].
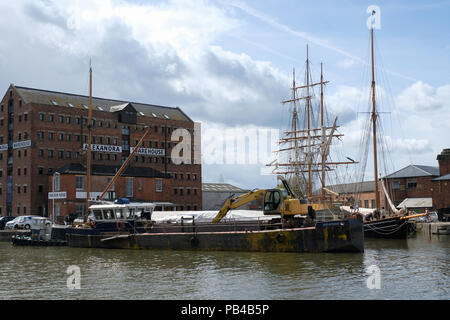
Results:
[374, 123]
[88, 164]
[323, 131]
[308, 104]
[294, 128]
[306, 141]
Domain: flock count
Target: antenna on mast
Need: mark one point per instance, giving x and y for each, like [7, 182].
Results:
[89, 157]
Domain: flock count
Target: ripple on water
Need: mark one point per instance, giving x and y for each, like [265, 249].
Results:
[413, 269]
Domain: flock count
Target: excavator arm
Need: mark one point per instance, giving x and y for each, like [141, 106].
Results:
[235, 202]
[286, 186]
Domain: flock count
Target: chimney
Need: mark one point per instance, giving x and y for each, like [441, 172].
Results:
[444, 162]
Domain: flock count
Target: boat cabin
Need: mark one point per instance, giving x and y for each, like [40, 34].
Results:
[116, 211]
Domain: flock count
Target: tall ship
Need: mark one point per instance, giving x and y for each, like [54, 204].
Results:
[287, 223]
[305, 157]
[379, 222]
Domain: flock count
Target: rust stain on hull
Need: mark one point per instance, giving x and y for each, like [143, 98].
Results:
[324, 237]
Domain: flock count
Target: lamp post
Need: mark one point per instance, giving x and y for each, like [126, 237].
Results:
[55, 176]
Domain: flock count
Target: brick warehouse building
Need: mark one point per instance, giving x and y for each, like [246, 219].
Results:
[43, 136]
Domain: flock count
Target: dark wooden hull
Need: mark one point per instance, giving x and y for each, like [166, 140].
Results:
[28, 241]
[334, 236]
[389, 228]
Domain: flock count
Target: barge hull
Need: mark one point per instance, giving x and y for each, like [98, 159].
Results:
[390, 228]
[335, 236]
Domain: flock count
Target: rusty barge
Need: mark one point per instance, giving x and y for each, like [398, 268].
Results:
[130, 226]
[334, 236]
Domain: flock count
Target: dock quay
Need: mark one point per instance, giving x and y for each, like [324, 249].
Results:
[440, 228]
[5, 235]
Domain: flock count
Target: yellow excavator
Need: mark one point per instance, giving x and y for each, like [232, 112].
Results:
[276, 202]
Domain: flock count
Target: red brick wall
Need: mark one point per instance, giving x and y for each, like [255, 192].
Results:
[441, 194]
[33, 198]
[422, 190]
[444, 166]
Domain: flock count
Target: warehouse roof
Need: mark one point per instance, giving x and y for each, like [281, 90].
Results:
[69, 100]
[444, 177]
[414, 171]
[221, 187]
[416, 203]
[354, 187]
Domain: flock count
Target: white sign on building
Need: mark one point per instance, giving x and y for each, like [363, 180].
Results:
[22, 144]
[57, 195]
[3, 147]
[103, 148]
[149, 151]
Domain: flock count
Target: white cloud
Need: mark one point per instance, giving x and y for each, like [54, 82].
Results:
[422, 97]
[346, 63]
[168, 53]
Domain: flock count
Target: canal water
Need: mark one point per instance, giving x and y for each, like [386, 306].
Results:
[417, 268]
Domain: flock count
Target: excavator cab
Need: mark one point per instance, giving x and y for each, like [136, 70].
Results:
[273, 201]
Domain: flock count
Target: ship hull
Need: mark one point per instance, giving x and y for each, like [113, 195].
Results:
[389, 228]
[335, 236]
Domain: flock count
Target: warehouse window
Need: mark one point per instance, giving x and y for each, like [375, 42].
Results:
[395, 185]
[79, 210]
[159, 185]
[411, 184]
[129, 187]
[79, 181]
[54, 102]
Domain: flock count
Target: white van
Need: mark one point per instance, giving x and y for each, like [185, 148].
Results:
[28, 222]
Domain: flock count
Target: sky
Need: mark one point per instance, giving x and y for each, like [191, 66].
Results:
[229, 64]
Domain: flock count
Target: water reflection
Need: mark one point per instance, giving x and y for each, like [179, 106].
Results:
[413, 268]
